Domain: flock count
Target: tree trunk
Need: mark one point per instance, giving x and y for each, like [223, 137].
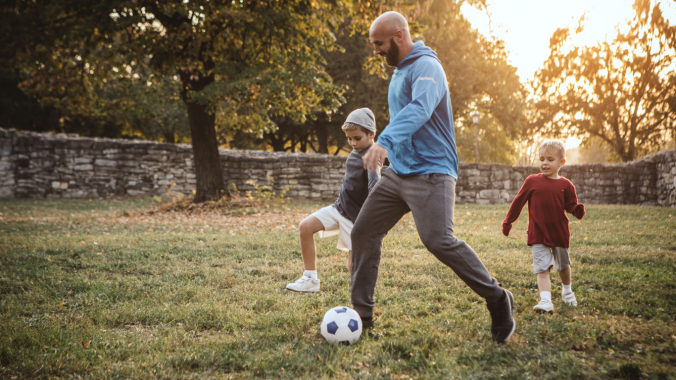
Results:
[169, 137]
[322, 138]
[277, 144]
[210, 183]
[208, 171]
[631, 149]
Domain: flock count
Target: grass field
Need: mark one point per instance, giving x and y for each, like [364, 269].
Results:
[97, 289]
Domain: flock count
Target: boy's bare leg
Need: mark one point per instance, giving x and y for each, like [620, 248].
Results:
[307, 228]
[349, 261]
[567, 294]
[565, 276]
[545, 288]
[544, 285]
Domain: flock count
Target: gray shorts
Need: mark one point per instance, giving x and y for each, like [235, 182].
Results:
[544, 257]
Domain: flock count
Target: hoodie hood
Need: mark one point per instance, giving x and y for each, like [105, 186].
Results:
[419, 50]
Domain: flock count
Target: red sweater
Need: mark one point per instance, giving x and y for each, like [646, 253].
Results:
[548, 200]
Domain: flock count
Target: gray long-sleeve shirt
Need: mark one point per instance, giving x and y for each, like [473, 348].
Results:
[357, 183]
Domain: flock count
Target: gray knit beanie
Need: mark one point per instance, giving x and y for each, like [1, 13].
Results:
[363, 117]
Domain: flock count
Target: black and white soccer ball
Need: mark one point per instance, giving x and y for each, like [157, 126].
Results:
[341, 325]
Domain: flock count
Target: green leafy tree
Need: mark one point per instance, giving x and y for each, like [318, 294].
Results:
[321, 130]
[621, 93]
[148, 107]
[250, 59]
[361, 89]
[62, 68]
[479, 78]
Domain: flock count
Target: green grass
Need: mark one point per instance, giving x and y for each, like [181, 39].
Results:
[90, 289]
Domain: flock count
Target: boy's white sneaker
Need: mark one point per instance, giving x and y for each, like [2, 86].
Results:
[304, 284]
[569, 299]
[544, 306]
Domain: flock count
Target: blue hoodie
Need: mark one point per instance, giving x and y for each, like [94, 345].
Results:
[420, 138]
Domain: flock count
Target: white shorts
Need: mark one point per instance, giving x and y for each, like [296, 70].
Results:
[544, 257]
[335, 224]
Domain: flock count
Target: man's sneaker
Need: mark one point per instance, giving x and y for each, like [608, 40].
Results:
[368, 328]
[304, 284]
[502, 318]
[569, 299]
[366, 323]
[544, 306]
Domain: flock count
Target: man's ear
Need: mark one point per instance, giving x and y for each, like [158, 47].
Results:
[399, 35]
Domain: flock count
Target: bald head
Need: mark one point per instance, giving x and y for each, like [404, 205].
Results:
[391, 23]
[390, 37]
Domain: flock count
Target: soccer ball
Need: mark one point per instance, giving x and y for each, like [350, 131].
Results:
[341, 325]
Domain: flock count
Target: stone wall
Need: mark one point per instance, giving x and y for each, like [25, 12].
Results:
[39, 166]
[649, 181]
[36, 165]
[665, 173]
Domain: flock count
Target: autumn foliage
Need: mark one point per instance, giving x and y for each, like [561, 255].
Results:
[621, 92]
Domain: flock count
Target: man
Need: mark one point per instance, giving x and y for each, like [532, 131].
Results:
[420, 144]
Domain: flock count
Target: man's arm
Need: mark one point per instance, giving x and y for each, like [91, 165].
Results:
[427, 91]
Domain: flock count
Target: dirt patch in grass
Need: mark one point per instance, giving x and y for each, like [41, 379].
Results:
[224, 205]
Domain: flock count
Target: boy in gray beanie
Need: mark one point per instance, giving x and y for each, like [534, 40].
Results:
[338, 218]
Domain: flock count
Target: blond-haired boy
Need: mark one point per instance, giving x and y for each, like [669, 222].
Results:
[338, 218]
[549, 197]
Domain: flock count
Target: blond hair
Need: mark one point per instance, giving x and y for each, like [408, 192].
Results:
[353, 127]
[554, 145]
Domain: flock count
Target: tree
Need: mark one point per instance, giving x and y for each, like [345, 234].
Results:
[19, 111]
[480, 78]
[361, 89]
[253, 59]
[478, 73]
[147, 106]
[322, 130]
[622, 92]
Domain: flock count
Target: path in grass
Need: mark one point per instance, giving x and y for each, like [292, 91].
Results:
[91, 289]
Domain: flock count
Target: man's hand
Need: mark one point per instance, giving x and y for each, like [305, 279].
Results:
[374, 157]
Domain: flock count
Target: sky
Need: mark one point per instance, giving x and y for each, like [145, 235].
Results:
[527, 25]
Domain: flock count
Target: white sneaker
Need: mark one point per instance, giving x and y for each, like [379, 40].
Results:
[544, 306]
[569, 299]
[304, 284]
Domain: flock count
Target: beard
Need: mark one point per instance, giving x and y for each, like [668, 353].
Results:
[392, 55]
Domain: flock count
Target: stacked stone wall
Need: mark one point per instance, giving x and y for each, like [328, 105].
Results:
[665, 173]
[39, 166]
[36, 165]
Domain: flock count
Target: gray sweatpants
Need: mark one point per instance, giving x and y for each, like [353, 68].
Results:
[431, 199]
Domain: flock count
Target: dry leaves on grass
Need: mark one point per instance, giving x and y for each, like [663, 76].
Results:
[224, 205]
[236, 216]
